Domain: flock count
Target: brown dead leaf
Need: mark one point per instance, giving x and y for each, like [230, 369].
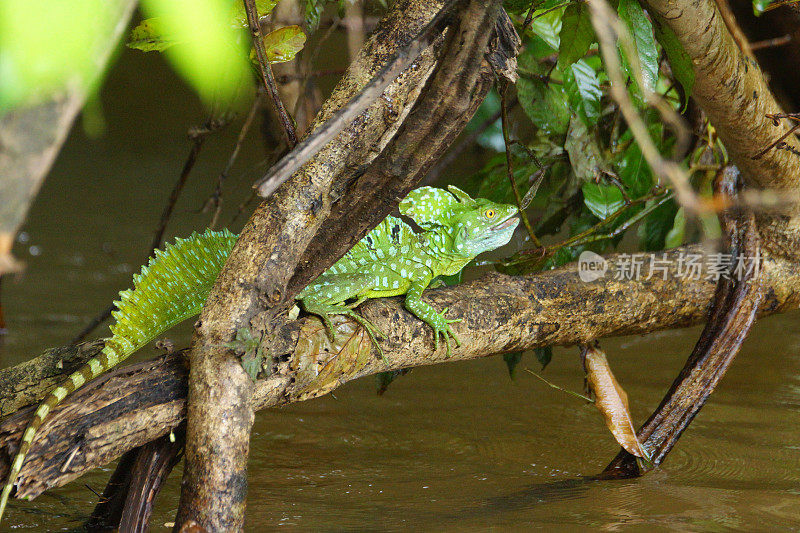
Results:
[612, 402]
[320, 363]
[8, 264]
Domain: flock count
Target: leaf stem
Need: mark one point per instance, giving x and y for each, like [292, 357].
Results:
[266, 73]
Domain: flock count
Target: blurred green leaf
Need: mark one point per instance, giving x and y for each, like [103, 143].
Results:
[679, 60]
[759, 6]
[512, 361]
[238, 15]
[583, 91]
[209, 55]
[576, 35]
[151, 35]
[71, 48]
[314, 9]
[545, 104]
[491, 137]
[634, 17]
[282, 44]
[675, 236]
[602, 200]
[386, 378]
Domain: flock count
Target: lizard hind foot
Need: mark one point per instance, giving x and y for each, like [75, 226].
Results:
[325, 311]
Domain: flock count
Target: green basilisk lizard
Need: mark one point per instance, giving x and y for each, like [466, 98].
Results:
[390, 260]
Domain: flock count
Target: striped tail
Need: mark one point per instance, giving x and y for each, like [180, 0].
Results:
[171, 288]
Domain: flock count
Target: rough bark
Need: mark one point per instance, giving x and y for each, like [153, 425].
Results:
[733, 93]
[27, 383]
[253, 288]
[139, 403]
[127, 501]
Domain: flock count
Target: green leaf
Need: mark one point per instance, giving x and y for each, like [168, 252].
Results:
[584, 152]
[251, 363]
[583, 91]
[545, 104]
[149, 36]
[644, 44]
[576, 35]
[239, 15]
[675, 236]
[314, 9]
[679, 60]
[283, 44]
[547, 26]
[634, 172]
[249, 349]
[759, 6]
[512, 360]
[657, 225]
[544, 355]
[602, 200]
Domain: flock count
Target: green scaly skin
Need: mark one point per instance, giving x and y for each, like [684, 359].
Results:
[391, 260]
[171, 288]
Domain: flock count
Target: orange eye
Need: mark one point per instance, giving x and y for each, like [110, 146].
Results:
[489, 213]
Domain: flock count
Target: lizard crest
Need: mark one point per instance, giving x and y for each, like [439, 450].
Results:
[390, 260]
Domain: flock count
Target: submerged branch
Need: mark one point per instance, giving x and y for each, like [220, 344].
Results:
[733, 313]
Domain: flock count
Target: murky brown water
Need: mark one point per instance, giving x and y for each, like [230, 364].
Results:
[451, 447]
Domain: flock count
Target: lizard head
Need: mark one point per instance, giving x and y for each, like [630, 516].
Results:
[482, 225]
[476, 224]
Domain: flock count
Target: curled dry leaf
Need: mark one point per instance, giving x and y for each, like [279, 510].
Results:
[612, 401]
[320, 362]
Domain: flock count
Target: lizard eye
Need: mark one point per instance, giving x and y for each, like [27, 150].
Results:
[489, 213]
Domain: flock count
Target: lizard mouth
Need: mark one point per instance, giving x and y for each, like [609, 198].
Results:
[507, 223]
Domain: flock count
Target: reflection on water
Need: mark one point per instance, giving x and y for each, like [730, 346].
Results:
[454, 447]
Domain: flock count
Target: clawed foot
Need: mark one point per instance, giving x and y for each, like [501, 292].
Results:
[368, 326]
[441, 326]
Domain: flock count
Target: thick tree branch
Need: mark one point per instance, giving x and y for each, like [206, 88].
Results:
[732, 91]
[139, 403]
[252, 290]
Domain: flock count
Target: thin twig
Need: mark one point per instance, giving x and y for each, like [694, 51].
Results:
[3, 329]
[771, 43]
[592, 234]
[775, 117]
[554, 386]
[266, 73]
[459, 148]
[312, 144]
[611, 34]
[510, 168]
[197, 136]
[215, 200]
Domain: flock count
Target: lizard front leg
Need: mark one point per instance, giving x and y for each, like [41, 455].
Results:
[429, 315]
